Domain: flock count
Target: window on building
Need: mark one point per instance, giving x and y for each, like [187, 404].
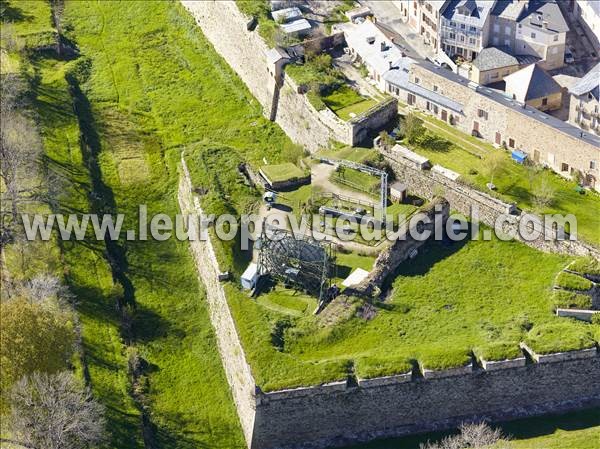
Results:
[496, 40]
[507, 42]
[495, 75]
[453, 24]
[556, 38]
[498, 138]
[452, 36]
[507, 30]
[482, 114]
[462, 38]
[511, 143]
[435, 88]
[473, 29]
[463, 26]
[544, 102]
[593, 165]
[564, 167]
[411, 99]
[417, 80]
[472, 40]
[533, 35]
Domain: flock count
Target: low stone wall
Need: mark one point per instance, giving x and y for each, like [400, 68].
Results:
[463, 199]
[376, 119]
[579, 314]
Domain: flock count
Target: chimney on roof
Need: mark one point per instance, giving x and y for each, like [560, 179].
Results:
[383, 46]
[390, 62]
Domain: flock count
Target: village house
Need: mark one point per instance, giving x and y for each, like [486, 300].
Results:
[372, 48]
[463, 28]
[533, 86]
[584, 110]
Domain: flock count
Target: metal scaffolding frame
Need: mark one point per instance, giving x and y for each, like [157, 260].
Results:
[299, 261]
[369, 170]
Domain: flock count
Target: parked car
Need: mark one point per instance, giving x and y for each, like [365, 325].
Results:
[569, 59]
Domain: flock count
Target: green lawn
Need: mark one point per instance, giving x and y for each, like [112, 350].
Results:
[515, 183]
[282, 172]
[431, 293]
[347, 103]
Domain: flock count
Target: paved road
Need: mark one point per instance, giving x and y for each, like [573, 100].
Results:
[389, 15]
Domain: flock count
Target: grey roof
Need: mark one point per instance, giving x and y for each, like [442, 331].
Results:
[372, 45]
[499, 97]
[540, 11]
[530, 83]
[508, 9]
[590, 83]
[296, 26]
[286, 14]
[276, 54]
[494, 58]
[476, 11]
[399, 77]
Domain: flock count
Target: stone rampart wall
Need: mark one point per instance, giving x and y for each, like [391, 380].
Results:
[464, 199]
[395, 407]
[238, 372]
[226, 28]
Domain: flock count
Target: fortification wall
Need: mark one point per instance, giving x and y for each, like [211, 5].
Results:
[226, 28]
[345, 412]
[390, 259]
[238, 372]
[341, 416]
[464, 199]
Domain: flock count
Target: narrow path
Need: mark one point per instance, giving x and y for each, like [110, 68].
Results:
[320, 174]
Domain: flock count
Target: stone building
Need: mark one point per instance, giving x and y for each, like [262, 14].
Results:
[372, 48]
[492, 65]
[533, 86]
[541, 32]
[499, 119]
[463, 28]
[584, 110]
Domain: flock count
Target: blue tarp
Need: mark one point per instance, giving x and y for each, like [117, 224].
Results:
[518, 156]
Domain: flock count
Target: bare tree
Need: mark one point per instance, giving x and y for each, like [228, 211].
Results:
[45, 287]
[493, 163]
[53, 411]
[474, 435]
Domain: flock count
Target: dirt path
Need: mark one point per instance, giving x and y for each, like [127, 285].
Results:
[320, 174]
